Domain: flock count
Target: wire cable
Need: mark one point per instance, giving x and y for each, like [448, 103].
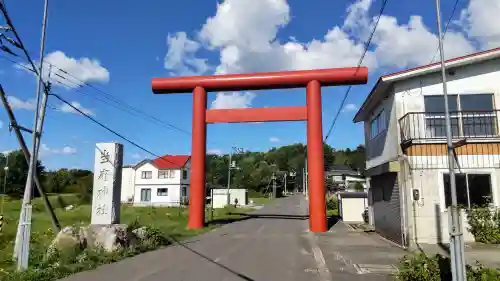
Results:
[367, 45]
[125, 107]
[109, 129]
[445, 29]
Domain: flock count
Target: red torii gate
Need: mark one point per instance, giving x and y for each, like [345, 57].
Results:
[311, 79]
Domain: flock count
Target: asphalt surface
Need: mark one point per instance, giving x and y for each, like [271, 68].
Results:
[274, 244]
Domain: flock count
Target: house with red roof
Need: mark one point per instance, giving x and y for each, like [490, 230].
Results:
[163, 181]
[406, 147]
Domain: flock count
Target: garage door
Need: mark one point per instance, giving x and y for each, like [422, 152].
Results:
[387, 206]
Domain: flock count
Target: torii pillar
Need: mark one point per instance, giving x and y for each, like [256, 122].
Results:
[312, 80]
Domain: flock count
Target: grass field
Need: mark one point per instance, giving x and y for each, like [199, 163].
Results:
[171, 221]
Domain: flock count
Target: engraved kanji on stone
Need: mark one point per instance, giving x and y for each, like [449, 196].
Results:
[104, 156]
[103, 174]
[101, 209]
[101, 192]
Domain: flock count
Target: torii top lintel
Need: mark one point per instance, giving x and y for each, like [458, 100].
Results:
[261, 81]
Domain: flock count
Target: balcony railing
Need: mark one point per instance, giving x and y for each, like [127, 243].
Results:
[464, 125]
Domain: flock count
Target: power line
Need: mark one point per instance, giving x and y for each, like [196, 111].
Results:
[445, 29]
[109, 129]
[367, 45]
[116, 100]
[124, 106]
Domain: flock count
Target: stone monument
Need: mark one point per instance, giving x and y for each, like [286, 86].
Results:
[107, 184]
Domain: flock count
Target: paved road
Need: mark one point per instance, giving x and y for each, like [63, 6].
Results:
[274, 245]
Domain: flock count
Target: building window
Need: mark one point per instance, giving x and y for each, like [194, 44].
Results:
[184, 174]
[472, 190]
[162, 192]
[470, 115]
[162, 174]
[378, 124]
[146, 194]
[146, 175]
[172, 174]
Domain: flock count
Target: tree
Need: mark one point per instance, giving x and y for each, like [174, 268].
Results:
[18, 173]
[256, 168]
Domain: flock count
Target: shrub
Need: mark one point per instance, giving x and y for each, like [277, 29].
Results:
[332, 203]
[59, 264]
[484, 224]
[437, 268]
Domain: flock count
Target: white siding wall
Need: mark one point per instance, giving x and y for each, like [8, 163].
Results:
[174, 186]
[173, 198]
[220, 197]
[429, 219]
[155, 180]
[353, 209]
[127, 190]
[473, 79]
[384, 147]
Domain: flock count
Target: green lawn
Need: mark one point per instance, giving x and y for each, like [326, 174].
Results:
[170, 221]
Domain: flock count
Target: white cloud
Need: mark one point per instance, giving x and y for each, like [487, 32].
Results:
[215, 151]
[135, 156]
[244, 33]
[403, 45]
[68, 109]
[181, 58]
[66, 150]
[16, 103]
[274, 139]
[233, 100]
[84, 69]
[350, 107]
[481, 21]
[75, 71]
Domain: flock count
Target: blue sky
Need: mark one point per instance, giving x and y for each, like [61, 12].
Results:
[119, 46]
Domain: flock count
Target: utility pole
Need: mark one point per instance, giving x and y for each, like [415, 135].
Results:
[3, 192]
[229, 176]
[274, 185]
[24, 227]
[456, 235]
[231, 166]
[17, 130]
[284, 179]
[305, 177]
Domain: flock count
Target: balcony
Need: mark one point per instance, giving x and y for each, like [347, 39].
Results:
[466, 126]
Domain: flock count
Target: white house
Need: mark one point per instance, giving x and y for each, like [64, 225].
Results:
[160, 182]
[406, 147]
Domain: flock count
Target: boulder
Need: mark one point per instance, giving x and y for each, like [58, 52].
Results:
[108, 237]
[68, 237]
[140, 232]
[69, 208]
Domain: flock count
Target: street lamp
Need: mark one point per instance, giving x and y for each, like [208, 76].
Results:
[231, 166]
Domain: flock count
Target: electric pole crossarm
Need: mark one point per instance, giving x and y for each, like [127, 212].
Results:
[16, 126]
[55, 223]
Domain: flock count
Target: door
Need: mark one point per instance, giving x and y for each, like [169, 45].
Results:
[146, 195]
[387, 206]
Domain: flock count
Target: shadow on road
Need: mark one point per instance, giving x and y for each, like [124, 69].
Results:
[332, 220]
[183, 245]
[228, 220]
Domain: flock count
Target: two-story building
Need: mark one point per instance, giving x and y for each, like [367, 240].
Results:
[163, 181]
[405, 137]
